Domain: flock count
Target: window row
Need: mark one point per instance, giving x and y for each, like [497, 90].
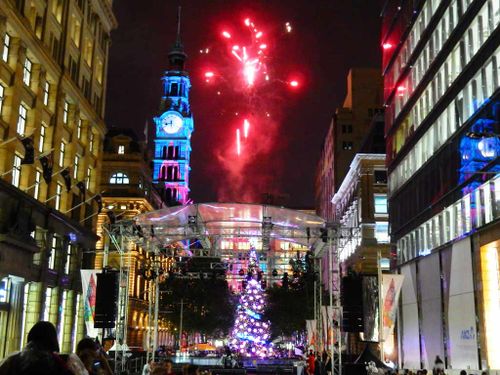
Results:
[473, 38]
[73, 69]
[22, 121]
[441, 33]
[63, 309]
[466, 103]
[474, 210]
[36, 184]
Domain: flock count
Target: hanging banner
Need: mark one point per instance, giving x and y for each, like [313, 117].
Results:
[89, 286]
[329, 316]
[311, 332]
[391, 288]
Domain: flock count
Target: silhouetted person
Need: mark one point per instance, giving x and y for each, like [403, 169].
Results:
[40, 356]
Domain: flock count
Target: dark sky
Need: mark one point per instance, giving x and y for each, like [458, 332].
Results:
[329, 37]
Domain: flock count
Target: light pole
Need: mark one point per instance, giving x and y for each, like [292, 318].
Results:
[380, 306]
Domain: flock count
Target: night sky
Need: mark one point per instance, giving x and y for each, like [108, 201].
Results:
[329, 37]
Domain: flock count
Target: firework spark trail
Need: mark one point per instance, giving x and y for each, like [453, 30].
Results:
[246, 71]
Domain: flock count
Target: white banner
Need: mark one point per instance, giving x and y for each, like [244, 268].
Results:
[89, 287]
[391, 288]
[311, 332]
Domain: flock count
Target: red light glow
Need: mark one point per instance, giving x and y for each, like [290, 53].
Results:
[294, 83]
[386, 45]
[226, 35]
[238, 142]
[246, 127]
[209, 74]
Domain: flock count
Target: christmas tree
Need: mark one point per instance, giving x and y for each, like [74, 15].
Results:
[250, 333]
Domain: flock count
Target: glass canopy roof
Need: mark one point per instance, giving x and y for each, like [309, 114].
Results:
[229, 220]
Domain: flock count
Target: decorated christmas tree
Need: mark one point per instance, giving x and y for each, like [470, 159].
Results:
[251, 333]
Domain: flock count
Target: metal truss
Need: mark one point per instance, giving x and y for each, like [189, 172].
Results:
[324, 242]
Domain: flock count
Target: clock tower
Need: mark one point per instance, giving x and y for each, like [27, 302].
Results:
[173, 128]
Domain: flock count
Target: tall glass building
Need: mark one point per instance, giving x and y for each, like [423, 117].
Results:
[441, 92]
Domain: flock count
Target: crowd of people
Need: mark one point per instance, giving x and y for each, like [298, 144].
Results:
[166, 368]
[41, 356]
[318, 364]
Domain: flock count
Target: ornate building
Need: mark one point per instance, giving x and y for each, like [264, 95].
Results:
[128, 191]
[53, 58]
[173, 128]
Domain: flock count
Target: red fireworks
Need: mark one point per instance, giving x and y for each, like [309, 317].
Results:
[250, 50]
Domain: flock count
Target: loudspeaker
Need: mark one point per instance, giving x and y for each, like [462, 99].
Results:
[106, 300]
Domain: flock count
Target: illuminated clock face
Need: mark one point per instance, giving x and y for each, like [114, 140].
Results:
[171, 123]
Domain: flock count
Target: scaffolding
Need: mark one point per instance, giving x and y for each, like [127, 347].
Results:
[208, 224]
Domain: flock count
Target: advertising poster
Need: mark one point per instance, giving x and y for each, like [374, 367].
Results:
[391, 288]
[89, 287]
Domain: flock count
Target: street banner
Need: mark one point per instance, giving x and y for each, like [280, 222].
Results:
[391, 289]
[311, 332]
[328, 316]
[89, 287]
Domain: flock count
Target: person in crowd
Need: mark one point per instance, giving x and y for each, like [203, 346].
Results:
[93, 357]
[318, 364]
[438, 366]
[40, 356]
[327, 362]
[169, 367]
[310, 363]
[146, 370]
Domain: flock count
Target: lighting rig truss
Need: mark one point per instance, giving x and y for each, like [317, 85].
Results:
[320, 240]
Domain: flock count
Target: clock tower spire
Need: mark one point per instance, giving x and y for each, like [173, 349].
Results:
[173, 128]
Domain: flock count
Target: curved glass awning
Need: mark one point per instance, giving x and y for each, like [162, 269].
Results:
[213, 221]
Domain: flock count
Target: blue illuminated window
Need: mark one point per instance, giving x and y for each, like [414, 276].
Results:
[380, 203]
[382, 231]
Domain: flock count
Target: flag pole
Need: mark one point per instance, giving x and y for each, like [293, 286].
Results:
[16, 137]
[78, 205]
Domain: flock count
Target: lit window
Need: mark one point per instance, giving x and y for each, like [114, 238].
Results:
[16, 171]
[62, 313]
[75, 322]
[91, 142]
[382, 231]
[41, 141]
[62, 152]
[119, 178]
[4, 289]
[21, 121]
[380, 203]
[79, 129]
[68, 260]
[121, 149]
[65, 112]
[6, 47]
[75, 166]
[46, 310]
[52, 255]
[25, 312]
[36, 192]
[27, 72]
[2, 93]
[46, 91]
[88, 179]
[58, 196]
